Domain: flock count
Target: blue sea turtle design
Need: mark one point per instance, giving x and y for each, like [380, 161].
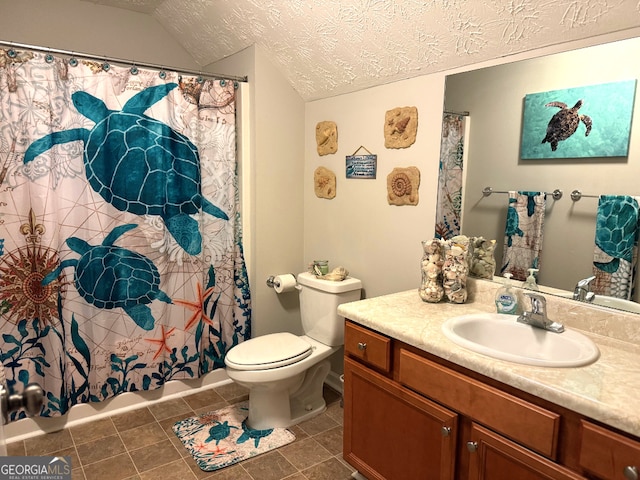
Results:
[513, 223]
[108, 276]
[565, 123]
[251, 434]
[219, 432]
[138, 164]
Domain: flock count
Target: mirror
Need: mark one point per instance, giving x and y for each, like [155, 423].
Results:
[494, 98]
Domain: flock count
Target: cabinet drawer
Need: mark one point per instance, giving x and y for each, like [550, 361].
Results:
[370, 347]
[608, 454]
[524, 422]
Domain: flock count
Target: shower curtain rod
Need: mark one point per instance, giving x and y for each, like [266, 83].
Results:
[463, 114]
[122, 61]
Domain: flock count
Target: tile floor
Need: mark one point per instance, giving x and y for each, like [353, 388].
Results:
[140, 445]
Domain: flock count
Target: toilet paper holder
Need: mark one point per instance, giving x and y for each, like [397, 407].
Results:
[272, 282]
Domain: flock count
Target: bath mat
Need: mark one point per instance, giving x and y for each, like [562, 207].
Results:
[220, 438]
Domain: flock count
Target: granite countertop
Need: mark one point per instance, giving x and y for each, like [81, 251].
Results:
[607, 390]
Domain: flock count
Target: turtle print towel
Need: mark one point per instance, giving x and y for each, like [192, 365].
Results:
[616, 246]
[221, 438]
[523, 233]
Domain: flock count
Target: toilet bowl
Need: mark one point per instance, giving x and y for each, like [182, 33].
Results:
[285, 373]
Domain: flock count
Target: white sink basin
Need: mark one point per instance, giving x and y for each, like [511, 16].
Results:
[501, 336]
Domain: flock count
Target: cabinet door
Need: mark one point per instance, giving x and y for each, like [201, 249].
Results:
[392, 433]
[493, 457]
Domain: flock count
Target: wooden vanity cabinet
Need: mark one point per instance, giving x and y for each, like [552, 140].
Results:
[411, 415]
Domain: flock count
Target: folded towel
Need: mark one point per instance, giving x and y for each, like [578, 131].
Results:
[523, 233]
[616, 246]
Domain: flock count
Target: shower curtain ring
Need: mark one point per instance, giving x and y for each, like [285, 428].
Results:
[105, 65]
[162, 74]
[73, 61]
[199, 79]
[134, 70]
[49, 58]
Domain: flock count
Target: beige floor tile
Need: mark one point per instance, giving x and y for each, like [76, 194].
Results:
[50, 442]
[16, 449]
[132, 419]
[204, 399]
[152, 456]
[318, 424]
[269, 466]
[170, 408]
[142, 436]
[305, 453]
[177, 470]
[232, 391]
[97, 450]
[93, 430]
[331, 469]
[113, 468]
[331, 440]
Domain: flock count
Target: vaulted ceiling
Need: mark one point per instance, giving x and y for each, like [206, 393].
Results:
[328, 47]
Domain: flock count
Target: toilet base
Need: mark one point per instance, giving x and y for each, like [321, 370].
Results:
[281, 408]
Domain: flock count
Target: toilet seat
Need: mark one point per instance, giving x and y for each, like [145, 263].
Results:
[268, 351]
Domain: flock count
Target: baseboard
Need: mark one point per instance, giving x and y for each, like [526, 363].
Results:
[334, 381]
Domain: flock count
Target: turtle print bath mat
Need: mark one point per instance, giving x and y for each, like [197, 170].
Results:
[221, 438]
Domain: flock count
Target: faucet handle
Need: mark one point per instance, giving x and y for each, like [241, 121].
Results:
[538, 302]
[585, 282]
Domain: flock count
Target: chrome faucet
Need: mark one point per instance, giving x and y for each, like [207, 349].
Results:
[537, 317]
[583, 292]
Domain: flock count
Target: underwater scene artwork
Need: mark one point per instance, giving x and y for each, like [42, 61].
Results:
[579, 122]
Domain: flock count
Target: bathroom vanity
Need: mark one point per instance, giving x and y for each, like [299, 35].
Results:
[417, 406]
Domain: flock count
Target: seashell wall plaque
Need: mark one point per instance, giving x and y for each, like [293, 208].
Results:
[400, 127]
[324, 183]
[326, 137]
[402, 186]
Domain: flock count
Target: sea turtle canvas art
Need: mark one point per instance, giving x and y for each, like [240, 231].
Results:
[587, 121]
[139, 164]
[108, 276]
[565, 123]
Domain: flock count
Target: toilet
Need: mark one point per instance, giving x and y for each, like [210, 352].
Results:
[285, 373]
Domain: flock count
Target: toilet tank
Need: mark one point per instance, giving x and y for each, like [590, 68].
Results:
[319, 300]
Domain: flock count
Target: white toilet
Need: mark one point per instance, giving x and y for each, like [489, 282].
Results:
[284, 372]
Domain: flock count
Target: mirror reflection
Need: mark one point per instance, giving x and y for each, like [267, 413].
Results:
[494, 98]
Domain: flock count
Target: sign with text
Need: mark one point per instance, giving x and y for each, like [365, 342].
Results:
[361, 166]
[35, 468]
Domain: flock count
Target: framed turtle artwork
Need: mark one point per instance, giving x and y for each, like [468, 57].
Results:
[579, 122]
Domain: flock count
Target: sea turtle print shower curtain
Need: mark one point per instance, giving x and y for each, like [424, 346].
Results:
[121, 262]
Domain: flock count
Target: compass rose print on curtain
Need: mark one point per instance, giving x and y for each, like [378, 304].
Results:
[121, 263]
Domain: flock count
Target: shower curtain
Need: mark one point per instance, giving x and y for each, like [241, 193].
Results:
[449, 205]
[121, 263]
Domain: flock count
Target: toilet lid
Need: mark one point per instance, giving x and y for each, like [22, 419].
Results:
[268, 351]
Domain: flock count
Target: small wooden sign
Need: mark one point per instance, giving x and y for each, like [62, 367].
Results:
[361, 166]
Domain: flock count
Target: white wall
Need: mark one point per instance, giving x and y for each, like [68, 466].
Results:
[92, 29]
[377, 242]
[274, 223]
[494, 98]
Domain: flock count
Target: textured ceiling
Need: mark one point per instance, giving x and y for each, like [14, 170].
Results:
[328, 47]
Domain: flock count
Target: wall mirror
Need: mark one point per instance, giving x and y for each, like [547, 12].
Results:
[494, 98]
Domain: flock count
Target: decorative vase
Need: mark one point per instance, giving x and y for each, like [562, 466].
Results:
[456, 268]
[431, 289]
[483, 263]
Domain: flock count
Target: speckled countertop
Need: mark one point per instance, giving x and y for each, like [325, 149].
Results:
[607, 390]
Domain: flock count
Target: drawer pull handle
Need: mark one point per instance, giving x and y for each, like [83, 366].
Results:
[472, 446]
[362, 346]
[631, 472]
[446, 431]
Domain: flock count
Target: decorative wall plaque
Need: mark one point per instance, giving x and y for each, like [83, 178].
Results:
[326, 137]
[402, 186]
[324, 183]
[400, 127]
